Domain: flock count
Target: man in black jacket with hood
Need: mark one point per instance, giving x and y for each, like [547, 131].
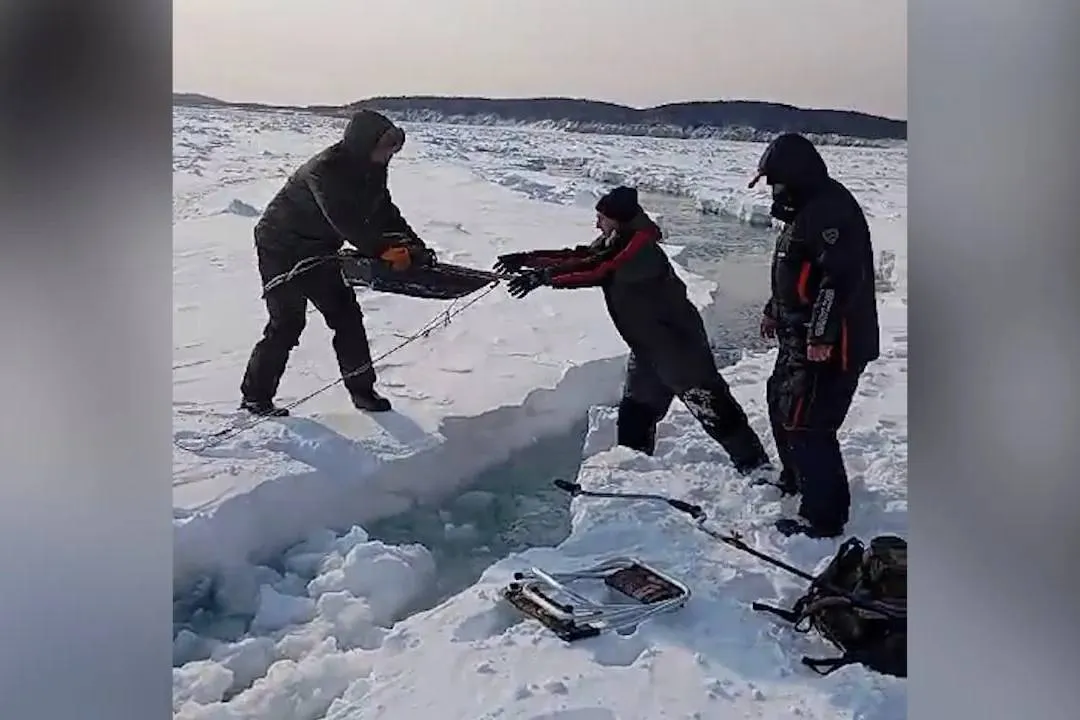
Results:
[670, 354]
[338, 195]
[823, 314]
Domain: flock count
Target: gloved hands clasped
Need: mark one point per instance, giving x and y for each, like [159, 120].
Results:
[526, 281]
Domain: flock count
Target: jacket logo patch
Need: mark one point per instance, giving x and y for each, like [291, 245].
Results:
[830, 236]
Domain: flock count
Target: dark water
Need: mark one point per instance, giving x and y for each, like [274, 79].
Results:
[733, 255]
[509, 508]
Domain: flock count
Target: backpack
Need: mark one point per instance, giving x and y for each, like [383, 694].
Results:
[859, 604]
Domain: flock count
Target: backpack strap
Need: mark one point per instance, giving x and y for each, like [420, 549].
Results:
[862, 655]
[790, 616]
[827, 666]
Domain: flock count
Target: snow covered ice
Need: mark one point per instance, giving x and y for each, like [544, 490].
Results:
[316, 619]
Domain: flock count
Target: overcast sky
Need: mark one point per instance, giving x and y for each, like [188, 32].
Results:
[811, 53]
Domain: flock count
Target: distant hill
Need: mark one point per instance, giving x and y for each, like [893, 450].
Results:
[195, 99]
[725, 119]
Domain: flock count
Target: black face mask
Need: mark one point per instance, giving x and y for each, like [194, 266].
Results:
[783, 204]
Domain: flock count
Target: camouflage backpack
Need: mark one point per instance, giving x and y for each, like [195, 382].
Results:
[859, 604]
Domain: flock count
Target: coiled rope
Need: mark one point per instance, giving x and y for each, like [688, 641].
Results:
[308, 263]
[438, 321]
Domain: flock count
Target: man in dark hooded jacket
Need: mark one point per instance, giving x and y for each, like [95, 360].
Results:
[670, 354]
[823, 313]
[340, 195]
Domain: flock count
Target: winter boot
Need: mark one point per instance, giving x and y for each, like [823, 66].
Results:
[798, 526]
[636, 426]
[746, 453]
[263, 408]
[370, 401]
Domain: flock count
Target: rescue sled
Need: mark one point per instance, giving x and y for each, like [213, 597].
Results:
[634, 592]
[441, 281]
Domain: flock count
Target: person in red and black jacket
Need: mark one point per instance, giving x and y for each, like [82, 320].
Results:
[823, 314]
[670, 354]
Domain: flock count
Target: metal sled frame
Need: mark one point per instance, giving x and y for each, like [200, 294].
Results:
[576, 617]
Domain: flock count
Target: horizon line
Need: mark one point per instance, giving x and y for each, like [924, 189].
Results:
[538, 97]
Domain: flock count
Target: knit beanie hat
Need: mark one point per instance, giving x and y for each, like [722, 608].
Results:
[621, 204]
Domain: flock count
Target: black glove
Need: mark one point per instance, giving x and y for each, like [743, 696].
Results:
[423, 256]
[511, 262]
[420, 255]
[526, 282]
